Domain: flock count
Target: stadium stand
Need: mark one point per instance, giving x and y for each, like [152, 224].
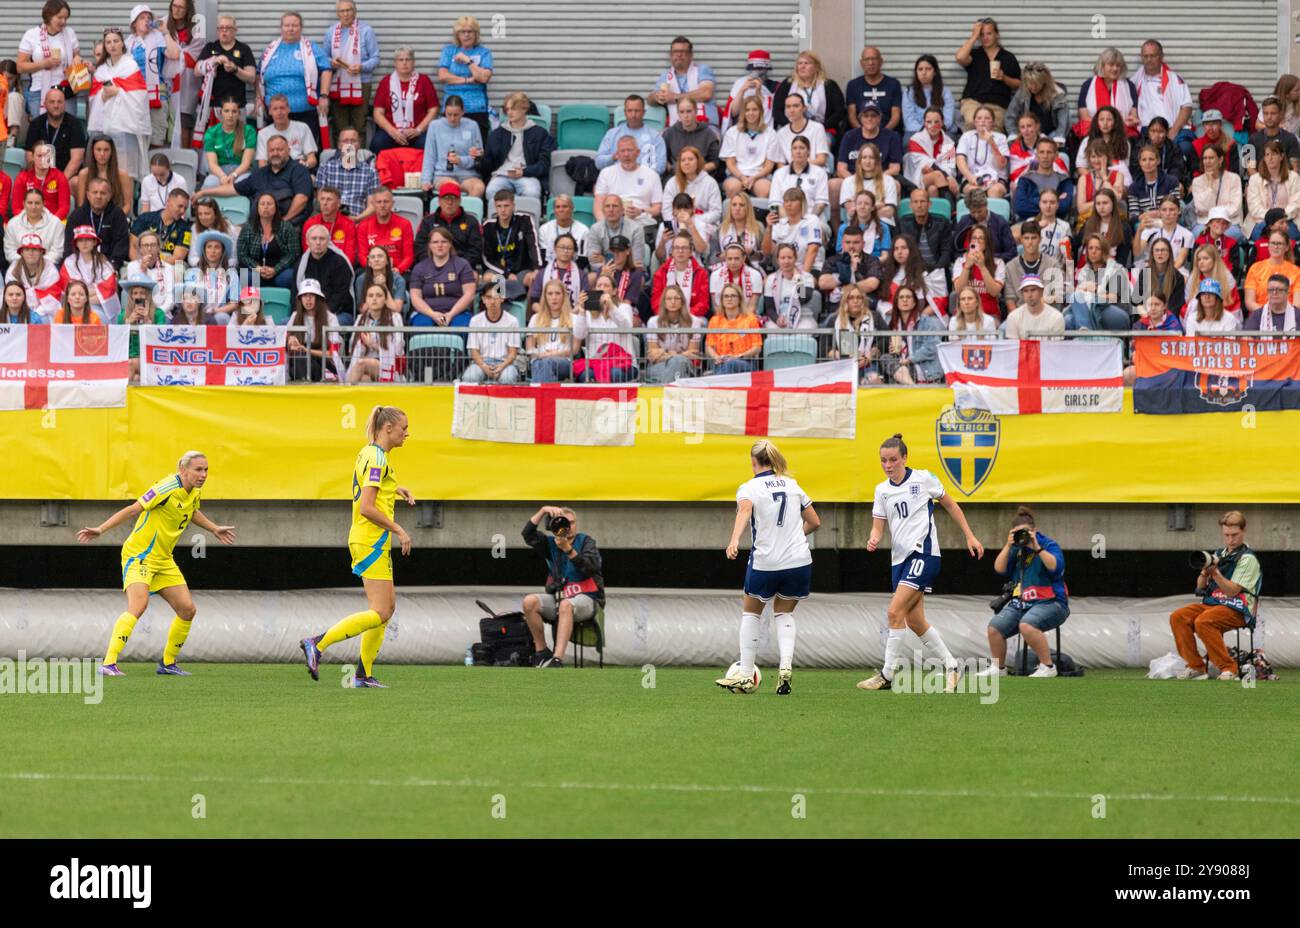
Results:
[1116, 99]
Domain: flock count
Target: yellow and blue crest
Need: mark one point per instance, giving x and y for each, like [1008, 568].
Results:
[967, 441]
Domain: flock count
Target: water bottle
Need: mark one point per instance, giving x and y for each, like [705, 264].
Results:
[469, 656]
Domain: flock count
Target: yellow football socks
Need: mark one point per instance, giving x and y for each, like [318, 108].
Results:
[371, 641]
[176, 636]
[121, 632]
[350, 627]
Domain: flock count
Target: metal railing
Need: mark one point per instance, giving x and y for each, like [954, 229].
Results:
[446, 362]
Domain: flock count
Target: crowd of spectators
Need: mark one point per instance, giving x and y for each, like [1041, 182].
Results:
[893, 212]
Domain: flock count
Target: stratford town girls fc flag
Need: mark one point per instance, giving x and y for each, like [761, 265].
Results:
[63, 366]
[1017, 377]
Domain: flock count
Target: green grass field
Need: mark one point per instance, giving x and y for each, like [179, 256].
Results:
[595, 753]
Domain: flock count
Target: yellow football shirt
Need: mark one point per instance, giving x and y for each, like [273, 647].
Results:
[168, 509]
[372, 469]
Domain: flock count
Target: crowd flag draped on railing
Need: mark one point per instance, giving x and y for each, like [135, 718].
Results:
[1016, 377]
[189, 355]
[1186, 375]
[808, 401]
[63, 366]
[546, 413]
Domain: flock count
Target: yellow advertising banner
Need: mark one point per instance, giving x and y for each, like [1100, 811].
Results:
[299, 443]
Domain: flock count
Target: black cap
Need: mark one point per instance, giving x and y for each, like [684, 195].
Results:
[1273, 216]
[620, 243]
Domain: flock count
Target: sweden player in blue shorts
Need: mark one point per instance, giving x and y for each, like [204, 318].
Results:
[780, 517]
[905, 499]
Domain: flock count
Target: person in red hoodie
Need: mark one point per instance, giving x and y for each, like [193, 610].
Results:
[683, 270]
[387, 230]
[342, 230]
[6, 194]
[45, 177]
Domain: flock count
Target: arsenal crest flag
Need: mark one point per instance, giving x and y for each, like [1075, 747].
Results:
[809, 401]
[63, 366]
[1016, 377]
[1181, 375]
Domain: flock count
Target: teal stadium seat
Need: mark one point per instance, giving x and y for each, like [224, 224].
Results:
[543, 115]
[236, 209]
[792, 350]
[277, 303]
[581, 125]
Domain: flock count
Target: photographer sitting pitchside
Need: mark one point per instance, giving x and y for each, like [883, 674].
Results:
[1228, 585]
[575, 588]
[1034, 601]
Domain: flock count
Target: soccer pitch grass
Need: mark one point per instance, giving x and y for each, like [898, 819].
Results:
[596, 753]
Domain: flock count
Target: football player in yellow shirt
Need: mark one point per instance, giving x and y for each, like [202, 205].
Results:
[161, 516]
[374, 497]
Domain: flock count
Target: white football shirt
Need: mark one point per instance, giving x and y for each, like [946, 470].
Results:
[909, 508]
[776, 522]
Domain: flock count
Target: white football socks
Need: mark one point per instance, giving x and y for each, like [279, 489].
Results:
[785, 638]
[932, 641]
[749, 631]
[893, 644]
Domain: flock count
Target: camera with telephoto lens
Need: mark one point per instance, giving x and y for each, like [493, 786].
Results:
[558, 524]
[1022, 537]
[1007, 594]
[1202, 559]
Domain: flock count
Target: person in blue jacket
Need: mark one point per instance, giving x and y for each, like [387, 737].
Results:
[1039, 597]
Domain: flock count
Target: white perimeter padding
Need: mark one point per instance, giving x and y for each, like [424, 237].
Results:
[644, 626]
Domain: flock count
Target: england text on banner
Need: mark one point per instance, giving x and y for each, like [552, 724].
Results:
[546, 414]
[1183, 375]
[809, 401]
[212, 355]
[1017, 377]
[63, 366]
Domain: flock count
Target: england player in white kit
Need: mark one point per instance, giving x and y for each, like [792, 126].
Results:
[780, 517]
[906, 500]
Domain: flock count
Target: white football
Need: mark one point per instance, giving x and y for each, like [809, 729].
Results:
[734, 670]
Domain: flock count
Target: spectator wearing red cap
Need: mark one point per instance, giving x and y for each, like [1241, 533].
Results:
[250, 311]
[88, 265]
[38, 276]
[466, 233]
[756, 81]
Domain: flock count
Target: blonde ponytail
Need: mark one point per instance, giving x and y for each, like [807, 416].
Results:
[766, 453]
[379, 417]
